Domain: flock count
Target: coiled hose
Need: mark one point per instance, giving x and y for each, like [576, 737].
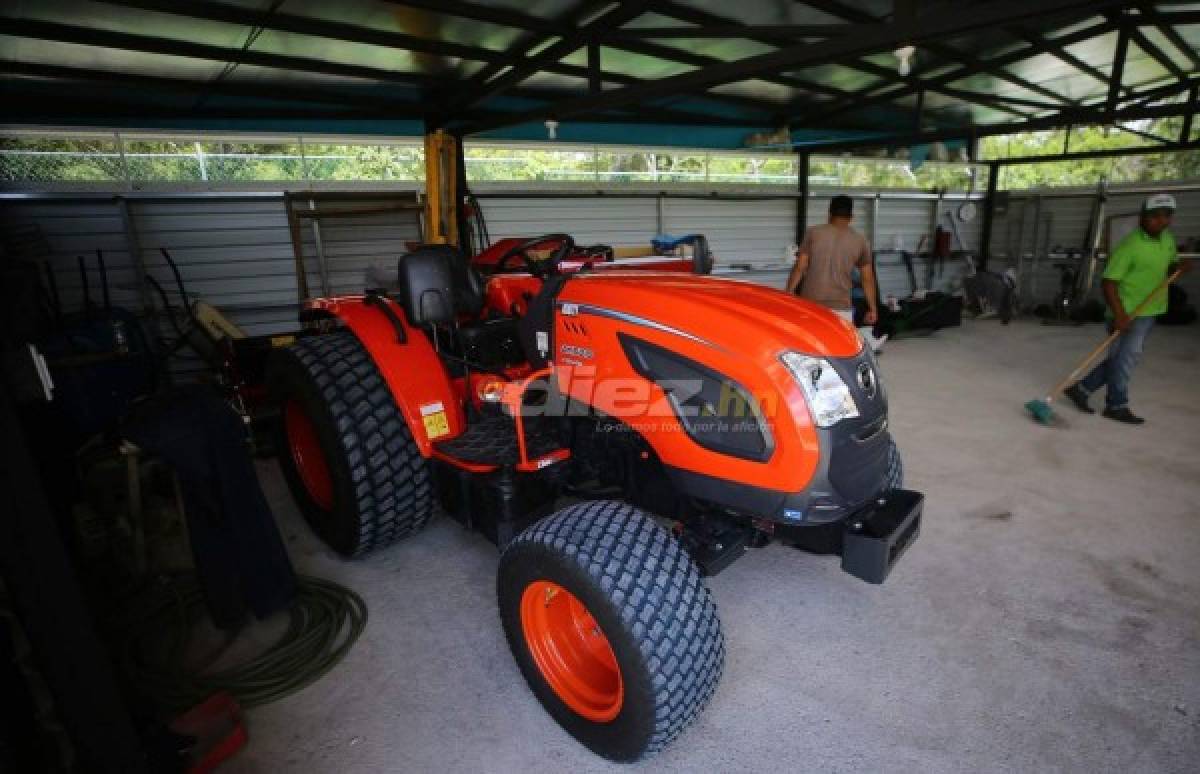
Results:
[155, 633]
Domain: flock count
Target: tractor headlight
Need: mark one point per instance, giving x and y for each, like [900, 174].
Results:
[829, 399]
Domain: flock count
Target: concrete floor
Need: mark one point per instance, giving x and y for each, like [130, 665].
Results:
[1047, 619]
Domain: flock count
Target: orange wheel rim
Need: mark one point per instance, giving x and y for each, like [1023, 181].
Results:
[571, 651]
[307, 455]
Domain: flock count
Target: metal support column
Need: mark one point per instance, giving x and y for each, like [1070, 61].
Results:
[802, 199]
[1185, 133]
[459, 198]
[441, 221]
[134, 245]
[989, 214]
[875, 222]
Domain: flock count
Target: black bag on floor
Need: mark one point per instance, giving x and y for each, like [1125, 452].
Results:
[935, 311]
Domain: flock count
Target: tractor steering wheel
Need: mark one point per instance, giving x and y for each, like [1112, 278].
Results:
[542, 268]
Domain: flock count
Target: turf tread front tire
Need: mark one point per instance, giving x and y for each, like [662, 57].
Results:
[650, 600]
[382, 487]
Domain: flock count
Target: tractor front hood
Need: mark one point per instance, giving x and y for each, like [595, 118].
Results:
[734, 315]
[736, 331]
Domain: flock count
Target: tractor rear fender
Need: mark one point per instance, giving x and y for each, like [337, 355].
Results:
[411, 368]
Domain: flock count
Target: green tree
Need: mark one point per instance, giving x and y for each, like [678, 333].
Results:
[1182, 165]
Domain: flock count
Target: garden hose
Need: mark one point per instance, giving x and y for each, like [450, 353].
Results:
[154, 634]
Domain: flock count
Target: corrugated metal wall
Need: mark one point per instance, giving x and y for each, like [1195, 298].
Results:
[897, 222]
[611, 220]
[235, 250]
[744, 231]
[71, 229]
[1037, 225]
[353, 234]
[738, 232]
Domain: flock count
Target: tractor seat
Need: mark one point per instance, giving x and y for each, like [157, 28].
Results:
[436, 285]
[492, 440]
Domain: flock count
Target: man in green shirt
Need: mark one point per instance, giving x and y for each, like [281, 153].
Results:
[1135, 269]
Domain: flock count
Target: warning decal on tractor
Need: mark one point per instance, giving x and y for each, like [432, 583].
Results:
[434, 416]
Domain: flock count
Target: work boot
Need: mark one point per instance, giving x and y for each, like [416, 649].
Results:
[1080, 398]
[1123, 414]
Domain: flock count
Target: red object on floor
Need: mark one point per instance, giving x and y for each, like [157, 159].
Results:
[216, 723]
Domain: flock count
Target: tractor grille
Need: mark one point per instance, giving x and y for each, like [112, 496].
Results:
[858, 463]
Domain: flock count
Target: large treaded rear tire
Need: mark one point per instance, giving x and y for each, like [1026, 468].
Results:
[651, 604]
[381, 489]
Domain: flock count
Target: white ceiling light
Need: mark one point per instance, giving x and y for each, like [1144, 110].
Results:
[905, 55]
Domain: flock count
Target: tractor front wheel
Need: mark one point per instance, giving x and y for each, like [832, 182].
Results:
[612, 627]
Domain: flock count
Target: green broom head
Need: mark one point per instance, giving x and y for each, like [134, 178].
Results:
[1041, 411]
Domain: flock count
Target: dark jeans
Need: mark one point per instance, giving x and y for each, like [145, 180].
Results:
[1117, 368]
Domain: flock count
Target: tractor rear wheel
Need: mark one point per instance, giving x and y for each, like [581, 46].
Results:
[612, 627]
[344, 447]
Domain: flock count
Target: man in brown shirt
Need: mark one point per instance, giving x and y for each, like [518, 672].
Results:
[825, 264]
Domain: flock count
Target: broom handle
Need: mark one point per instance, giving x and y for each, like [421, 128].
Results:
[1113, 336]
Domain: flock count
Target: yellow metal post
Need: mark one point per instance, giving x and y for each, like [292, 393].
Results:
[441, 176]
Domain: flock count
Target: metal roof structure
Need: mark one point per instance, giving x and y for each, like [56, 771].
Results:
[701, 73]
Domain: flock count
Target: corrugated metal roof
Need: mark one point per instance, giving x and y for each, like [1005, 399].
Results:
[502, 67]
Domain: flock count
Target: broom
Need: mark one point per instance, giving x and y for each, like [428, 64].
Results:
[1040, 408]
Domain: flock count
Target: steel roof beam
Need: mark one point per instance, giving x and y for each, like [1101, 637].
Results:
[617, 39]
[1144, 98]
[1120, 54]
[1063, 118]
[343, 97]
[930, 28]
[306, 25]
[706, 18]
[866, 99]
[180, 87]
[1045, 46]
[1169, 32]
[957, 56]
[1101, 154]
[91, 36]
[57, 108]
[777, 32]
[905, 15]
[994, 101]
[543, 33]
[545, 29]
[1144, 135]
[475, 93]
[1174, 17]
[1130, 25]
[505, 17]
[124, 41]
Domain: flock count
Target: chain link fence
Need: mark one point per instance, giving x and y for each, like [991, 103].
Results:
[136, 160]
[132, 161]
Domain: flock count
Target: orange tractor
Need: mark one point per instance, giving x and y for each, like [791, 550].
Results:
[675, 420]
